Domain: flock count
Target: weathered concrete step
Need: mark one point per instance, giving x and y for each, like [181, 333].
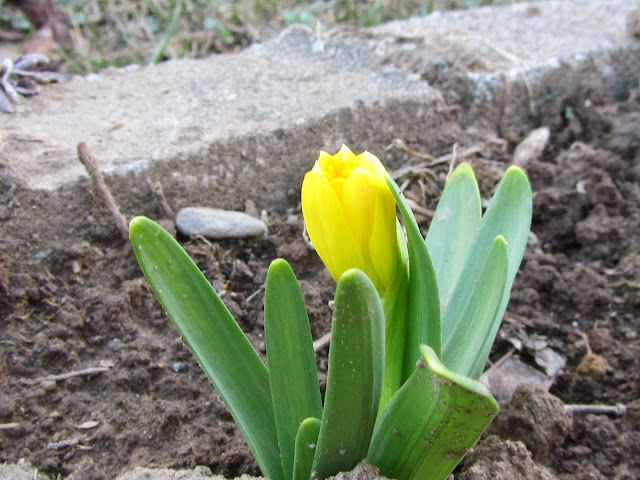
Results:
[246, 126]
[136, 116]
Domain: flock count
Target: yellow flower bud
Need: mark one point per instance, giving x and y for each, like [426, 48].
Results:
[350, 215]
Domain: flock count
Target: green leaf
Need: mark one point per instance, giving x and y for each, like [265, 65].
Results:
[475, 315]
[430, 423]
[509, 215]
[354, 379]
[394, 303]
[306, 442]
[423, 311]
[452, 231]
[295, 389]
[209, 330]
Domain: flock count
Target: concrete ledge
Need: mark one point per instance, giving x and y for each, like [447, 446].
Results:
[222, 130]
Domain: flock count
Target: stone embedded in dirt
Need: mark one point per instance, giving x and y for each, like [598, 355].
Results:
[495, 459]
[216, 224]
[179, 367]
[531, 148]
[19, 471]
[536, 418]
[633, 23]
[363, 471]
[505, 377]
[198, 473]
[551, 361]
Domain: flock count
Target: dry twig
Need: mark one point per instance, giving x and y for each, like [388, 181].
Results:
[9, 426]
[158, 192]
[76, 373]
[396, 174]
[65, 376]
[89, 162]
[454, 157]
[322, 342]
[69, 442]
[618, 409]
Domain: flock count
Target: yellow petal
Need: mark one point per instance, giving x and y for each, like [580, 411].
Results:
[383, 246]
[374, 165]
[338, 186]
[327, 225]
[358, 200]
[326, 165]
[359, 203]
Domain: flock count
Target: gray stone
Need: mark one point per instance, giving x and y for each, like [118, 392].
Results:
[20, 471]
[199, 473]
[531, 147]
[179, 367]
[363, 471]
[216, 224]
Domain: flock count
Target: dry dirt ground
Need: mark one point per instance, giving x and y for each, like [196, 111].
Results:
[136, 396]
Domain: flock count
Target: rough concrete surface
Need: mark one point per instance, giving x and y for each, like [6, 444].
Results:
[136, 116]
[230, 128]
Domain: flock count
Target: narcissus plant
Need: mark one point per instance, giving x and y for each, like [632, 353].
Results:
[414, 319]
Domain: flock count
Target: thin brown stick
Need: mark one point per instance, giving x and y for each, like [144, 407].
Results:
[399, 143]
[75, 373]
[396, 174]
[90, 164]
[322, 342]
[454, 157]
[9, 426]
[69, 442]
[158, 192]
[618, 409]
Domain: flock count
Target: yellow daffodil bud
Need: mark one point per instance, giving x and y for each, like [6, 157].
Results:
[350, 215]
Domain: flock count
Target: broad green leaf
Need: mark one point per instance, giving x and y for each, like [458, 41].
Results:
[509, 215]
[354, 379]
[475, 315]
[452, 231]
[423, 311]
[430, 423]
[306, 443]
[209, 330]
[295, 389]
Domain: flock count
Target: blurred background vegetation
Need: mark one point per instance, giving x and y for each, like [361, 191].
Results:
[107, 33]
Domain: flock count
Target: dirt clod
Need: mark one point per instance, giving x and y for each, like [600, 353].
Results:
[496, 459]
[536, 418]
[594, 366]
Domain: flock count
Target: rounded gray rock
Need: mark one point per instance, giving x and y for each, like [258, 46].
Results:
[216, 224]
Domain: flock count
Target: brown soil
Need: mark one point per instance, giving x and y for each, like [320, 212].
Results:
[86, 305]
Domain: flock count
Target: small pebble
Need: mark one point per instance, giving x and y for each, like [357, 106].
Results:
[531, 148]
[633, 23]
[179, 367]
[215, 224]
